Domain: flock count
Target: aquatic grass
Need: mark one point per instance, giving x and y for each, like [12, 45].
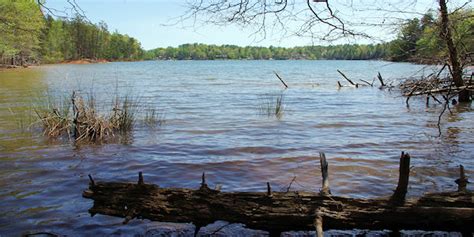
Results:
[153, 118]
[23, 118]
[272, 106]
[54, 116]
[87, 123]
[124, 113]
[78, 117]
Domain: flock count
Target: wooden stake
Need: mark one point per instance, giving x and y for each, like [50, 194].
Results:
[286, 86]
[140, 178]
[318, 224]
[269, 189]
[75, 113]
[398, 198]
[204, 186]
[92, 183]
[462, 181]
[325, 191]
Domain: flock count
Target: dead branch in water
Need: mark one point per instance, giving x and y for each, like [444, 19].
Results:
[347, 79]
[281, 79]
[283, 211]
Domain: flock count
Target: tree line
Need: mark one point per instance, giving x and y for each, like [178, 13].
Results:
[27, 35]
[418, 40]
[211, 52]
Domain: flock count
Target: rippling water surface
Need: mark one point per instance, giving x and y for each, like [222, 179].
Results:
[214, 124]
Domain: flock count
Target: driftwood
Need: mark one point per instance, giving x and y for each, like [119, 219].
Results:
[283, 211]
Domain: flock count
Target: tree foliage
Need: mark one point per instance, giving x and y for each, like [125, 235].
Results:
[21, 22]
[26, 33]
[211, 52]
[419, 40]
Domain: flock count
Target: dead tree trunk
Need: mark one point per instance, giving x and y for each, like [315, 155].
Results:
[282, 211]
[456, 69]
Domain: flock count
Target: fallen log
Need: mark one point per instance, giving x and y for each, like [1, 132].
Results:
[283, 211]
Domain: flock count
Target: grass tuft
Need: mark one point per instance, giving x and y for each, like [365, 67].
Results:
[153, 118]
[273, 106]
[77, 117]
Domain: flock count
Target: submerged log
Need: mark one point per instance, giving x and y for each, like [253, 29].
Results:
[280, 211]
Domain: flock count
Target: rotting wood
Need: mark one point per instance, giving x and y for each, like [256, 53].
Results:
[283, 211]
[398, 197]
[281, 79]
[318, 224]
[462, 181]
[325, 191]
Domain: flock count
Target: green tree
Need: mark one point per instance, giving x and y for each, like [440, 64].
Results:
[21, 23]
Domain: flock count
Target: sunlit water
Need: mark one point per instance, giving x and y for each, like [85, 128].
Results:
[214, 124]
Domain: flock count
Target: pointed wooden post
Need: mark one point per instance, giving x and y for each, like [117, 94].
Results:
[325, 191]
[318, 224]
[398, 198]
[204, 186]
[91, 180]
[462, 181]
[140, 178]
[269, 189]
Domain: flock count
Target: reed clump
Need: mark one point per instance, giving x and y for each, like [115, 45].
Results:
[273, 106]
[80, 120]
[153, 118]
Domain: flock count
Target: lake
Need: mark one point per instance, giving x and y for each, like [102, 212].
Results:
[214, 124]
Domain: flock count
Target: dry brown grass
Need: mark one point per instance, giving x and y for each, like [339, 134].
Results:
[78, 119]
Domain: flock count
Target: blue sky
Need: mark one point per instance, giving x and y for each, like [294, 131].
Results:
[151, 22]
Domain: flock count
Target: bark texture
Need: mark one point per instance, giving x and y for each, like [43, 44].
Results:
[280, 211]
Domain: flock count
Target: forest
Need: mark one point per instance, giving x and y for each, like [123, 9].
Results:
[29, 35]
[418, 40]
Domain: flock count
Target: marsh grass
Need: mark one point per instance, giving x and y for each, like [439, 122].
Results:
[54, 116]
[78, 117]
[153, 118]
[272, 106]
[124, 114]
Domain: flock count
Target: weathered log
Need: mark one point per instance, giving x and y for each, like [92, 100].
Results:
[280, 211]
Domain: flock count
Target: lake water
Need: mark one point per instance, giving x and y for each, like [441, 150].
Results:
[213, 124]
